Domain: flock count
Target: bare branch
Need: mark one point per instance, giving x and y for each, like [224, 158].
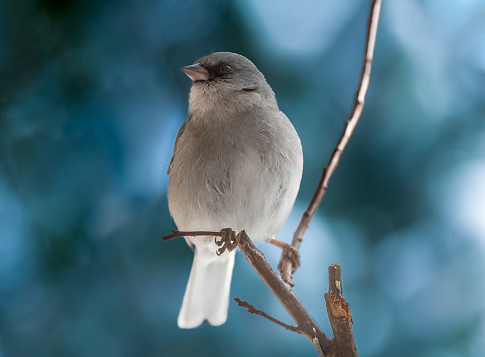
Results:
[283, 292]
[176, 234]
[343, 343]
[287, 267]
[252, 310]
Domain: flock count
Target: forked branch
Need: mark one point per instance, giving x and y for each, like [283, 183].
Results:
[283, 292]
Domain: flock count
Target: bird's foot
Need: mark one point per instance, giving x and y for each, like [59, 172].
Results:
[228, 241]
[289, 252]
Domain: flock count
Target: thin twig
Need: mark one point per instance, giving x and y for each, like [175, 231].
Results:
[176, 234]
[287, 267]
[252, 310]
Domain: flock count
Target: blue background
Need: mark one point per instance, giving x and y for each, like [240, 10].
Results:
[91, 98]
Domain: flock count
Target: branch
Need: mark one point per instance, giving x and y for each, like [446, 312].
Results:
[287, 267]
[283, 292]
[252, 310]
[176, 234]
[343, 343]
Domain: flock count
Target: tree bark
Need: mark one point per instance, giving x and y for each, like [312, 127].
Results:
[343, 343]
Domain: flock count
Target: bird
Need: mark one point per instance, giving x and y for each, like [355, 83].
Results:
[237, 162]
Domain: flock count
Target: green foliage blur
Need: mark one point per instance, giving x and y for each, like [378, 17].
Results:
[91, 99]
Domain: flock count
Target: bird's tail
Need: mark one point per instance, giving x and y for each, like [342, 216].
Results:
[207, 293]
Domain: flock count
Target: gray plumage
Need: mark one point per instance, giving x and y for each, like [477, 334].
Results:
[237, 163]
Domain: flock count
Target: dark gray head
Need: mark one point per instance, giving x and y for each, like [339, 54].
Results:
[225, 81]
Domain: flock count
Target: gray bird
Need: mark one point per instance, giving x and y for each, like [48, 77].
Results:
[237, 163]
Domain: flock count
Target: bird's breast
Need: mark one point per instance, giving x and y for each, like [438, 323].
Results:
[244, 179]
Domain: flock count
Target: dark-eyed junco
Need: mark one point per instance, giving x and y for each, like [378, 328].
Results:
[237, 163]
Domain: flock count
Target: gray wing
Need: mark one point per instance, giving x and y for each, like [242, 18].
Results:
[179, 134]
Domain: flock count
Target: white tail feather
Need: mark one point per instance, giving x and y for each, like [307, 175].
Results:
[207, 293]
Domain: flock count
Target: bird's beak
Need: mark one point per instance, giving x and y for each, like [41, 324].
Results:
[196, 72]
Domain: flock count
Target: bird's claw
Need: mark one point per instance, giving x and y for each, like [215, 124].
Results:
[290, 253]
[228, 241]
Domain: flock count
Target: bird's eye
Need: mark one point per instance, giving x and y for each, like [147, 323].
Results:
[225, 69]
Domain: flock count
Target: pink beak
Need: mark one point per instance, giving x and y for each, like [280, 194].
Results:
[196, 72]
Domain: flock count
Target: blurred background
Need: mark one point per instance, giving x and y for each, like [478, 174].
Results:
[91, 99]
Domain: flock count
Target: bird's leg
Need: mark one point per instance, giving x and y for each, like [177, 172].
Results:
[289, 251]
[228, 241]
